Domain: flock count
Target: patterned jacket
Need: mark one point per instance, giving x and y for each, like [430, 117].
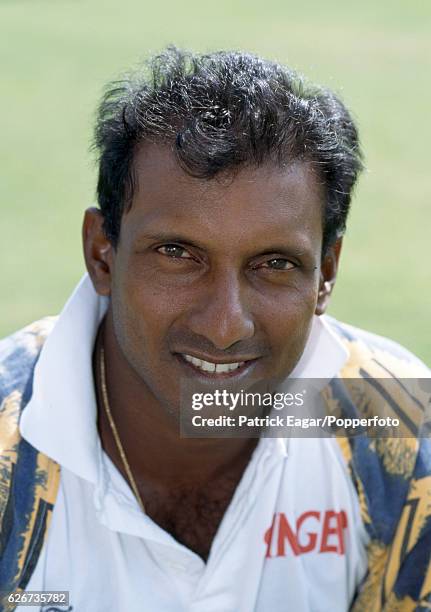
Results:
[392, 475]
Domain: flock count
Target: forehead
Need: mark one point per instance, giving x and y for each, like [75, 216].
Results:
[248, 205]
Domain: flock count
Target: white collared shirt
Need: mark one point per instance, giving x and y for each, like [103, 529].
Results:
[291, 538]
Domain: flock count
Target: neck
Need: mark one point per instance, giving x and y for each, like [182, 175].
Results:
[150, 436]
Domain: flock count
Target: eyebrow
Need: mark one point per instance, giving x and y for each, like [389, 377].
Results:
[169, 237]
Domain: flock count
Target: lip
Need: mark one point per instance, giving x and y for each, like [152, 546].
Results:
[238, 372]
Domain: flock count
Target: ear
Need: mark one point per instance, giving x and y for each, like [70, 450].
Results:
[98, 251]
[328, 275]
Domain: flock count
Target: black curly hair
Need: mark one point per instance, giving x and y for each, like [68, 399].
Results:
[218, 112]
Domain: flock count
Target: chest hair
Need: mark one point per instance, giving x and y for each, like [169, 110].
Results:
[192, 515]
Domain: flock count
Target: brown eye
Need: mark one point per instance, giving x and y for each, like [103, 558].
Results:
[279, 263]
[174, 251]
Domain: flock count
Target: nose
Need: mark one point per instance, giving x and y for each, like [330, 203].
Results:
[221, 315]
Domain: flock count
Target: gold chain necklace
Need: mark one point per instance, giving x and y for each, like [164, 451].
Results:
[105, 402]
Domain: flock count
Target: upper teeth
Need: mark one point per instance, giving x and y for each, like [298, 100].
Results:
[208, 366]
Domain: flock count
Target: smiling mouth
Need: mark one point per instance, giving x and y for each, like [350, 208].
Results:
[209, 368]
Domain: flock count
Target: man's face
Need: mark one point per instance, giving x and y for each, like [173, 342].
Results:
[223, 271]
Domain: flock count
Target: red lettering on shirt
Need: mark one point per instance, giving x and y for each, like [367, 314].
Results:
[285, 533]
[314, 530]
[333, 526]
[312, 535]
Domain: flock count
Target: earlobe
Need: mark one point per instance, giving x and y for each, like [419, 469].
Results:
[324, 295]
[328, 275]
[98, 251]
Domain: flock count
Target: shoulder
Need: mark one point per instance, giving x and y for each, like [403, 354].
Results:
[384, 356]
[24, 517]
[381, 380]
[18, 354]
[390, 468]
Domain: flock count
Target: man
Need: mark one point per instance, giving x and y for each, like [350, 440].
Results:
[224, 187]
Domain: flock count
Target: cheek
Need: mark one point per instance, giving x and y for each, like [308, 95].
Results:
[143, 314]
[290, 324]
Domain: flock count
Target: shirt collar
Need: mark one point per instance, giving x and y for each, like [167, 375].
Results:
[61, 418]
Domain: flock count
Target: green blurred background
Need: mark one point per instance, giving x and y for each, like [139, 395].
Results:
[57, 54]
